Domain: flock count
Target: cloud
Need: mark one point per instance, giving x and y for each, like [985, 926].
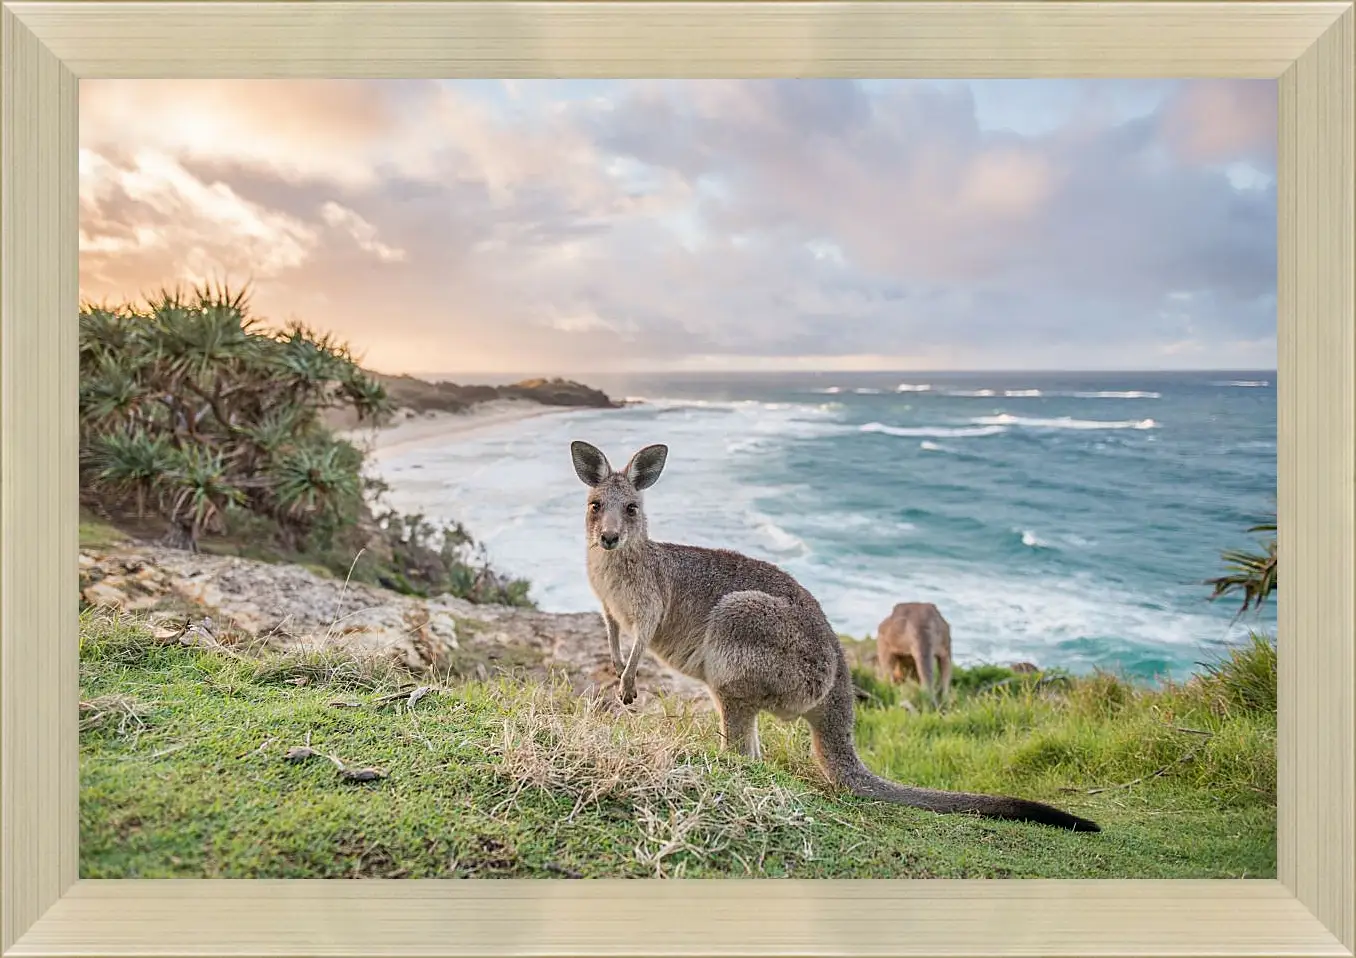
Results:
[559, 226]
[137, 216]
[363, 233]
[1220, 121]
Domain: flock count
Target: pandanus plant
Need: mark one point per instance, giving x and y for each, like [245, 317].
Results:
[193, 408]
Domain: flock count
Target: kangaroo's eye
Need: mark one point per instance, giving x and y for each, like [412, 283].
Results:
[632, 509]
[595, 506]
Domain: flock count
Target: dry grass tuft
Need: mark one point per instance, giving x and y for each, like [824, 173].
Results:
[101, 712]
[690, 801]
[331, 666]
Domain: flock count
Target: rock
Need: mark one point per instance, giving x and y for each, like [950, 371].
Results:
[289, 607]
[105, 594]
[1023, 668]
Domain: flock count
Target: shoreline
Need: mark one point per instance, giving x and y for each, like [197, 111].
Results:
[418, 429]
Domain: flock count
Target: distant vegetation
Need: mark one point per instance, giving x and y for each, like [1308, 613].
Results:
[418, 395]
[199, 423]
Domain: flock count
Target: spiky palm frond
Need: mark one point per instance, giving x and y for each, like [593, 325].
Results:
[196, 337]
[115, 393]
[1251, 573]
[104, 332]
[130, 462]
[200, 489]
[278, 429]
[315, 479]
[305, 365]
[367, 396]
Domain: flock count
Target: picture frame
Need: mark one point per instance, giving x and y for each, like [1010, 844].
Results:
[1308, 47]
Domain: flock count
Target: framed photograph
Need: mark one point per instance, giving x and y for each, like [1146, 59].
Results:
[843, 450]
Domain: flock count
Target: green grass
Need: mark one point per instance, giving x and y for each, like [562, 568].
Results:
[182, 774]
[96, 534]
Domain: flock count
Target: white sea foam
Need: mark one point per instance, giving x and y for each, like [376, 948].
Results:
[1243, 383]
[1038, 393]
[812, 522]
[940, 432]
[775, 539]
[913, 388]
[863, 391]
[1032, 541]
[1062, 422]
[830, 390]
[929, 445]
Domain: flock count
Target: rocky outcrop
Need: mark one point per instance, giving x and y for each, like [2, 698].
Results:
[558, 392]
[410, 393]
[411, 397]
[288, 607]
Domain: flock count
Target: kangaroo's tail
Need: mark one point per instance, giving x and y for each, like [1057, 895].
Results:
[867, 784]
[831, 729]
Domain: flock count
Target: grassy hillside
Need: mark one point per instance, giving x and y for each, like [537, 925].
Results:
[183, 773]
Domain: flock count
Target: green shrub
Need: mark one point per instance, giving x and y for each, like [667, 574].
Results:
[1243, 679]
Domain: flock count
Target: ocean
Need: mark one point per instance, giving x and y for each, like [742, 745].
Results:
[1066, 519]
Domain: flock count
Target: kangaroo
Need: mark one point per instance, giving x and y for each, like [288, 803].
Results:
[911, 639]
[758, 640]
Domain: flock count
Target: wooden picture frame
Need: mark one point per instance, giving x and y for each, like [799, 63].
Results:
[1310, 48]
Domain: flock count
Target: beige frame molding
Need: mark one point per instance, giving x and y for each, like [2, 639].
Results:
[1309, 47]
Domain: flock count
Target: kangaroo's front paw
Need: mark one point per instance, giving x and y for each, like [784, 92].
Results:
[626, 693]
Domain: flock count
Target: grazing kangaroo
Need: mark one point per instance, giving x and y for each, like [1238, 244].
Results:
[911, 639]
[755, 637]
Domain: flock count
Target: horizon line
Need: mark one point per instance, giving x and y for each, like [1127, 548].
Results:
[832, 372]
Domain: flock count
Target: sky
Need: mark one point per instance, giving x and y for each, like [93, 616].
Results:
[551, 227]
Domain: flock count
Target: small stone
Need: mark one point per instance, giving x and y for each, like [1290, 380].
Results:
[361, 774]
[105, 593]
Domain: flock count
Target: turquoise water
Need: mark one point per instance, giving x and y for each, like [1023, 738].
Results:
[1065, 519]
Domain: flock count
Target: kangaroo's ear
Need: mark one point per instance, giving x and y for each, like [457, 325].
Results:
[590, 465]
[645, 466]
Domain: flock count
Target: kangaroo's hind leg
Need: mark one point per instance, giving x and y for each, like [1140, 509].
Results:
[760, 657]
[885, 663]
[739, 730]
[944, 675]
[925, 666]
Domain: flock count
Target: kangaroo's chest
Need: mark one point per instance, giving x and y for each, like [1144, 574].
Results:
[627, 590]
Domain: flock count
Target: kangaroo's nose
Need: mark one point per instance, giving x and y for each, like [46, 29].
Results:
[609, 539]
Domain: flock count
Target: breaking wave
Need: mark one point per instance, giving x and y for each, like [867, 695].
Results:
[1062, 422]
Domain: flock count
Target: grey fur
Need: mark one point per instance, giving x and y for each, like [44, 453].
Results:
[751, 632]
[910, 641]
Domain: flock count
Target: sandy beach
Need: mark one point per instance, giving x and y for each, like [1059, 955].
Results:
[413, 429]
